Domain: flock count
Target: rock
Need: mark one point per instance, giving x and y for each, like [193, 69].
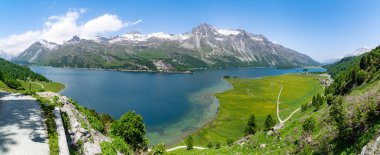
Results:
[263, 145]
[83, 131]
[87, 135]
[243, 140]
[85, 139]
[270, 132]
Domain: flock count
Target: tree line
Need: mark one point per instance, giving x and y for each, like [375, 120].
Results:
[10, 72]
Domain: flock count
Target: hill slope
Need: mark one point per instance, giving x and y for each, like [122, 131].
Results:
[348, 121]
[11, 74]
[203, 47]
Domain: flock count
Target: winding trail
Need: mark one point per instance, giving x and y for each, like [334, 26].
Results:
[278, 106]
[278, 126]
[40, 85]
[182, 147]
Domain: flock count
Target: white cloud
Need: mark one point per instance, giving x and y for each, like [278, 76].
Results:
[61, 28]
[132, 23]
[101, 25]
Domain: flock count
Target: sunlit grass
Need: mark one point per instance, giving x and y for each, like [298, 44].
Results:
[35, 86]
[257, 96]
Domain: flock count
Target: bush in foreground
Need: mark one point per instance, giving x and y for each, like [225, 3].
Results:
[131, 129]
[158, 149]
[189, 143]
[309, 124]
[251, 127]
[107, 148]
[269, 122]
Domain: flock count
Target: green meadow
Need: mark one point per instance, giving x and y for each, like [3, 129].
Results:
[257, 96]
[35, 86]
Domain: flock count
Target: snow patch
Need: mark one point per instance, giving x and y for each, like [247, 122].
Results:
[161, 35]
[35, 56]
[48, 45]
[257, 38]
[227, 32]
[133, 37]
[137, 37]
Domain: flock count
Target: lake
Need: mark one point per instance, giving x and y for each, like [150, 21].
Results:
[172, 105]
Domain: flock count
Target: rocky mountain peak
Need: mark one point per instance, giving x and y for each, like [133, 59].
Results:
[74, 39]
[204, 29]
[205, 44]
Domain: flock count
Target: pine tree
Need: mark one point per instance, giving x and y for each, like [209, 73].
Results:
[269, 122]
[251, 127]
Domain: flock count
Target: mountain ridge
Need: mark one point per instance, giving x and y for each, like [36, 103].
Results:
[203, 47]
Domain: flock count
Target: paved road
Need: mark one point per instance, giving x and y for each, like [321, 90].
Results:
[22, 130]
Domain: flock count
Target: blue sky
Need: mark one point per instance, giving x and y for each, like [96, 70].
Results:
[322, 29]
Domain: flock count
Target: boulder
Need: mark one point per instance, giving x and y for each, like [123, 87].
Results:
[263, 145]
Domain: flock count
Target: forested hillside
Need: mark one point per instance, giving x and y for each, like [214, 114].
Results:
[354, 72]
[342, 65]
[354, 104]
[9, 73]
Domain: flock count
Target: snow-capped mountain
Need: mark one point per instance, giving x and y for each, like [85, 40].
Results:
[37, 50]
[359, 51]
[203, 47]
[355, 53]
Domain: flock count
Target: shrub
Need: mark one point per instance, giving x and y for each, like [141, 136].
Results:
[107, 148]
[131, 128]
[230, 141]
[91, 115]
[189, 143]
[309, 124]
[304, 107]
[251, 127]
[13, 83]
[158, 149]
[119, 144]
[269, 122]
[209, 145]
[361, 76]
[217, 145]
[51, 127]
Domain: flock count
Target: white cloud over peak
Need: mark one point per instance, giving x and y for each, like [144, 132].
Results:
[102, 24]
[62, 28]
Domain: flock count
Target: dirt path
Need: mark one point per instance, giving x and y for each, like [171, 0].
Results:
[40, 85]
[278, 106]
[182, 147]
[22, 129]
[278, 126]
[291, 115]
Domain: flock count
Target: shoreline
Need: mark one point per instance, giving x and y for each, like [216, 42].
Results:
[211, 106]
[122, 70]
[189, 71]
[215, 101]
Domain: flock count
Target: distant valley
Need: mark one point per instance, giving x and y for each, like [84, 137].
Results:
[203, 47]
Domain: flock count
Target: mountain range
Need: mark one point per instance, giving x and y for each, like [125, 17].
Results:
[203, 47]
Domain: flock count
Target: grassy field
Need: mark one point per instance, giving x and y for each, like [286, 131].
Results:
[47, 86]
[36, 86]
[279, 144]
[257, 96]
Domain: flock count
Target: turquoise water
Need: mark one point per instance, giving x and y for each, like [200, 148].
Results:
[171, 104]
